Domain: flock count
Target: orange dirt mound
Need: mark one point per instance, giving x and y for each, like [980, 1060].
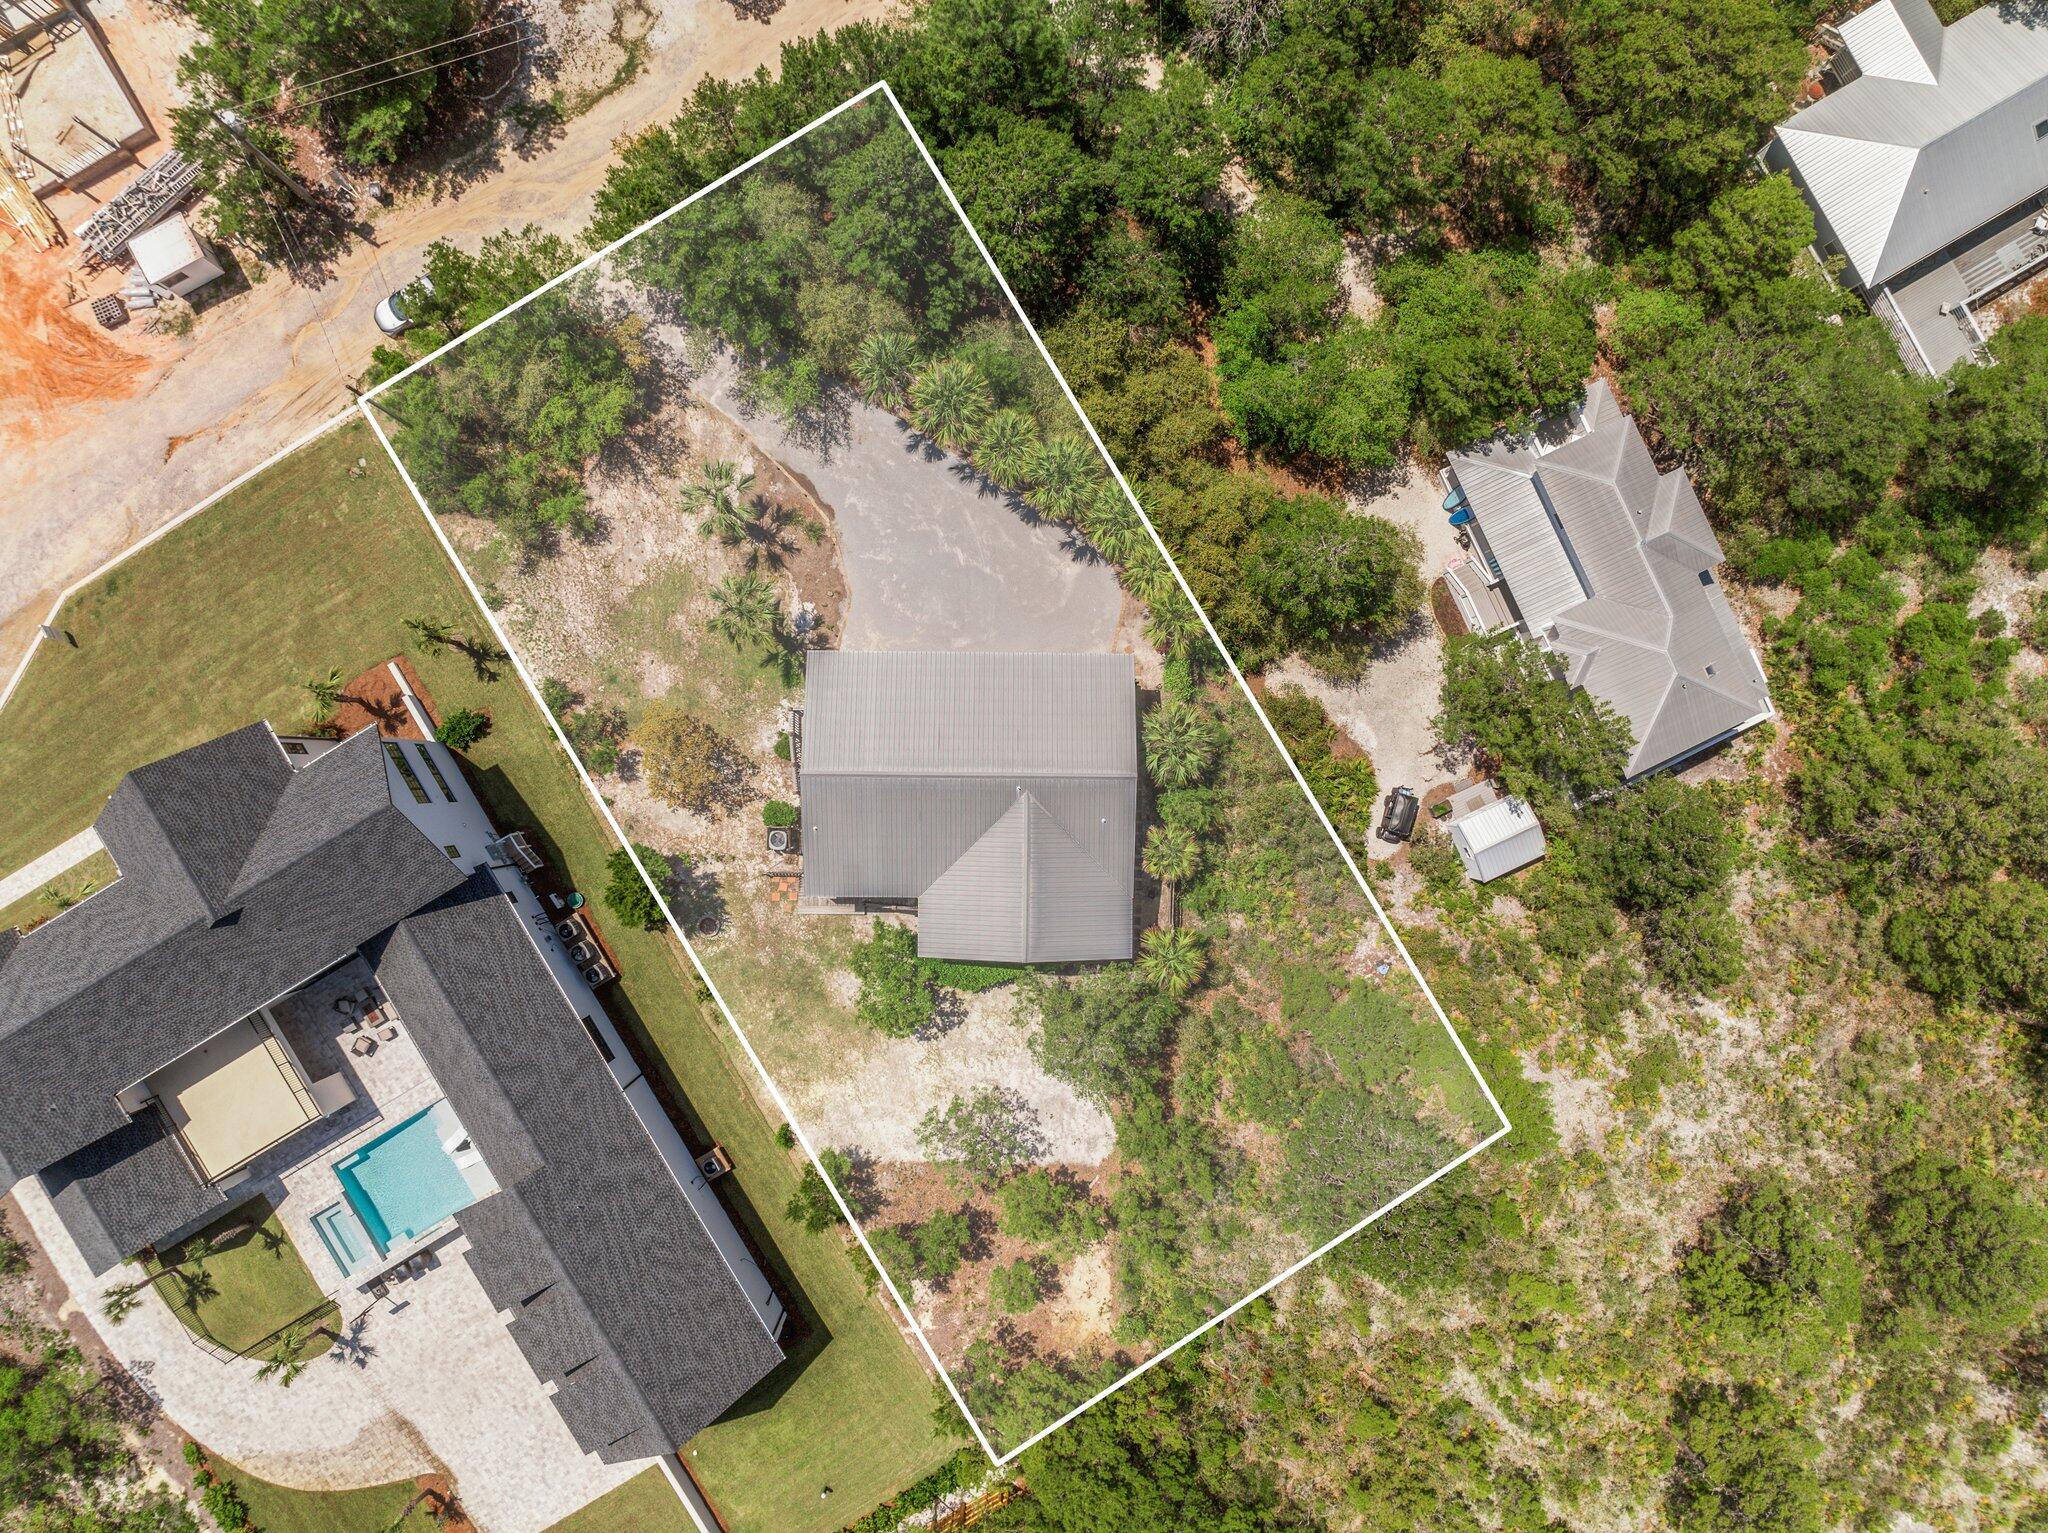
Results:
[53, 357]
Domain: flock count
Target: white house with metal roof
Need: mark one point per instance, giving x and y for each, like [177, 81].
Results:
[1591, 553]
[1927, 165]
[996, 792]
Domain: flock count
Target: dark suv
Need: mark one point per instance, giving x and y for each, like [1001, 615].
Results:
[1397, 815]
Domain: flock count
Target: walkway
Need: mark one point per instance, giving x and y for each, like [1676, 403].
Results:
[1390, 710]
[933, 559]
[24, 881]
[440, 1384]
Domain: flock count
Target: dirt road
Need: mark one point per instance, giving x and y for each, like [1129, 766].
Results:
[158, 430]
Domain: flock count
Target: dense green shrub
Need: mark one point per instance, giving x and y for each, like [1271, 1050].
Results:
[463, 728]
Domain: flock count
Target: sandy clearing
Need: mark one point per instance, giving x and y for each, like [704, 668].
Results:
[873, 1102]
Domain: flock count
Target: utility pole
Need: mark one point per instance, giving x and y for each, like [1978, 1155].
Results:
[233, 122]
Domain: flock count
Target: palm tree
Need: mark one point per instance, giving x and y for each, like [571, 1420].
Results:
[1067, 471]
[429, 633]
[1173, 959]
[1112, 526]
[882, 367]
[1008, 443]
[1174, 625]
[287, 1361]
[197, 1283]
[325, 691]
[1173, 856]
[1147, 577]
[949, 402]
[720, 493]
[748, 613]
[1180, 742]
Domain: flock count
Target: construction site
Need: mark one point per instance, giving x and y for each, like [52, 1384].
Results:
[93, 197]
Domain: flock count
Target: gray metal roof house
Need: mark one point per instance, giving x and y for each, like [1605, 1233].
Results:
[250, 866]
[997, 791]
[1926, 165]
[1582, 545]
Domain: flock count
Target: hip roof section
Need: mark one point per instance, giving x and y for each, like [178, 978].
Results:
[240, 877]
[1650, 632]
[952, 714]
[998, 791]
[1936, 136]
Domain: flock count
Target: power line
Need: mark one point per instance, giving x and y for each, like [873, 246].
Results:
[496, 26]
[422, 69]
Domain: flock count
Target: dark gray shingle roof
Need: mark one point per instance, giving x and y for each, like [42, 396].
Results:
[128, 1189]
[240, 878]
[618, 1295]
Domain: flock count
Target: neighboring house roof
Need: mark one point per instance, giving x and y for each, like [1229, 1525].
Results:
[239, 879]
[1938, 135]
[1610, 565]
[128, 1189]
[999, 791]
[618, 1295]
[1495, 840]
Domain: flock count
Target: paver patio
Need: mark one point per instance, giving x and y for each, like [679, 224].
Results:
[440, 1384]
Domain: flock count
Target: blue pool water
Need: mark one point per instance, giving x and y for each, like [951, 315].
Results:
[402, 1183]
[344, 1236]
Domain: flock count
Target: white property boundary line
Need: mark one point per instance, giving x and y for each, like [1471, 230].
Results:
[363, 403]
[38, 640]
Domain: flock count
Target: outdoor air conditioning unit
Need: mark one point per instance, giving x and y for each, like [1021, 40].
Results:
[778, 838]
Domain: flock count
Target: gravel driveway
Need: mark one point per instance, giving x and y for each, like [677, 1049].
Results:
[933, 559]
[1388, 709]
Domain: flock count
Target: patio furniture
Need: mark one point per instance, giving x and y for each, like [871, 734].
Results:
[387, 1034]
[345, 1004]
[364, 1044]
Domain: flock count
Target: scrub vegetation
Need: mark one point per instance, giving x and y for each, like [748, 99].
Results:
[1265, 1068]
[1750, 1025]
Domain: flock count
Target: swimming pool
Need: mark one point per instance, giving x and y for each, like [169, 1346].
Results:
[403, 1183]
[344, 1236]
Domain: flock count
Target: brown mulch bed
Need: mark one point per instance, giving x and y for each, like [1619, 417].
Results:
[1448, 618]
[373, 698]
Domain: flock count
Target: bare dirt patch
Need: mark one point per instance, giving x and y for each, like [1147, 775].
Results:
[875, 1102]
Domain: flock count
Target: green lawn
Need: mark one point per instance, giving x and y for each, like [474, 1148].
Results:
[303, 569]
[255, 1283]
[646, 1504]
[73, 884]
[278, 1509]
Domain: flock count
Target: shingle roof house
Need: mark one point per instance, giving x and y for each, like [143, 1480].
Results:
[998, 791]
[1609, 565]
[1926, 166]
[243, 876]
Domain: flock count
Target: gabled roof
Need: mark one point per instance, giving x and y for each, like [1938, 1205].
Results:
[1651, 632]
[1497, 838]
[618, 1295]
[1935, 137]
[128, 1189]
[240, 877]
[999, 791]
